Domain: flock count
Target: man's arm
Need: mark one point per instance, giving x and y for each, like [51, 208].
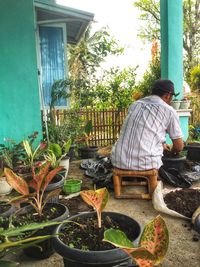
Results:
[178, 145]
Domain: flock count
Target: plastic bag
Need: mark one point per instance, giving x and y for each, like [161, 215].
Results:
[159, 204]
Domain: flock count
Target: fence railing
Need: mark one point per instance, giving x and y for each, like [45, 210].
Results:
[106, 123]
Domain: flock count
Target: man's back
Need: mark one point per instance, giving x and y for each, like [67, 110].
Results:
[139, 146]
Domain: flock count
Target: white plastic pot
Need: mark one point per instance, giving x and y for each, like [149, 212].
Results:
[5, 188]
[185, 104]
[65, 163]
[176, 104]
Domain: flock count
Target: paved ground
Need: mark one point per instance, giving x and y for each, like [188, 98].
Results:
[183, 250]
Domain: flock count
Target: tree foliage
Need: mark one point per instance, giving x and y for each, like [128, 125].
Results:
[84, 61]
[150, 14]
[116, 88]
[195, 78]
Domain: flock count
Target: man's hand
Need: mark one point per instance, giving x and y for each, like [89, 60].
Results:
[166, 147]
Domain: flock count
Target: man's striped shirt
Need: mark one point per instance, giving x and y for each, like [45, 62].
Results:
[139, 146]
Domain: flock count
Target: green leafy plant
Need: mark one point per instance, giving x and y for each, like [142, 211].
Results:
[153, 243]
[86, 135]
[40, 180]
[97, 199]
[15, 238]
[55, 153]
[33, 154]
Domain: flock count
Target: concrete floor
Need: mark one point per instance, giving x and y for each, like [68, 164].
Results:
[183, 250]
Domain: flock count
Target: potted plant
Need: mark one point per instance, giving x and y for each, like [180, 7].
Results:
[58, 156]
[175, 103]
[15, 238]
[185, 103]
[84, 149]
[39, 208]
[153, 243]
[80, 242]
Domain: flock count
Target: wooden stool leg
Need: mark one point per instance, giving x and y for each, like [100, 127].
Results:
[152, 184]
[117, 185]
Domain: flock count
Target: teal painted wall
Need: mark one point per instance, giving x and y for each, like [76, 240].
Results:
[19, 94]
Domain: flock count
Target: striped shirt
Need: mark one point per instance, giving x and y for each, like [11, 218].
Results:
[139, 146]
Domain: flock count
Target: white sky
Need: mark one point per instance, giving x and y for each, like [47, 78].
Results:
[122, 19]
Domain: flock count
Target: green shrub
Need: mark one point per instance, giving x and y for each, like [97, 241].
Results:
[195, 78]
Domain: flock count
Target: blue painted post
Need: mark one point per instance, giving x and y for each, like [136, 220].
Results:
[171, 14]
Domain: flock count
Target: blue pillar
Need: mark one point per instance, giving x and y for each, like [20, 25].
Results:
[171, 19]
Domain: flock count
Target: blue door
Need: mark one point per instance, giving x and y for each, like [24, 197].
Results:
[52, 60]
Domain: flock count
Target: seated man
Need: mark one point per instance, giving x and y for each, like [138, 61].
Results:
[142, 138]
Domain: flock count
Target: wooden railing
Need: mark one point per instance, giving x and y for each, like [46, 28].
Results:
[106, 123]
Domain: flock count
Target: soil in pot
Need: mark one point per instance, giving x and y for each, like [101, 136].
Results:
[88, 236]
[6, 209]
[184, 201]
[51, 212]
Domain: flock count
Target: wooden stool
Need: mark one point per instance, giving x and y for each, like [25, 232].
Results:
[148, 179]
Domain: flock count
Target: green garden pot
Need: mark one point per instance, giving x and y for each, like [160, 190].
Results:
[72, 186]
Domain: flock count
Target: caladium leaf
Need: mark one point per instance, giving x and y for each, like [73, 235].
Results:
[96, 198]
[17, 182]
[40, 176]
[155, 238]
[117, 238]
[153, 243]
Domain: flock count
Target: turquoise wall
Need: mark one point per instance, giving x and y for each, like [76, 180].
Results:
[19, 94]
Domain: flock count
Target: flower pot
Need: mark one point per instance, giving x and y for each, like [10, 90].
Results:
[185, 104]
[65, 163]
[72, 186]
[5, 188]
[176, 104]
[88, 152]
[174, 163]
[73, 257]
[44, 249]
[57, 182]
[193, 151]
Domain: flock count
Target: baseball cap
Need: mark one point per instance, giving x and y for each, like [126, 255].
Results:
[165, 86]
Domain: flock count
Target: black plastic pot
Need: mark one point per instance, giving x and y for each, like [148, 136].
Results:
[57, 182]
[193, 152]
[88, 152]
[78, 258]
[45, 248]
[174, 163]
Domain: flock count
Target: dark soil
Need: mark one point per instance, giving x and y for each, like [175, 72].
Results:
[184, 201]
[50, 212]
[88, 236]
[4, 207]
[76, 205]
